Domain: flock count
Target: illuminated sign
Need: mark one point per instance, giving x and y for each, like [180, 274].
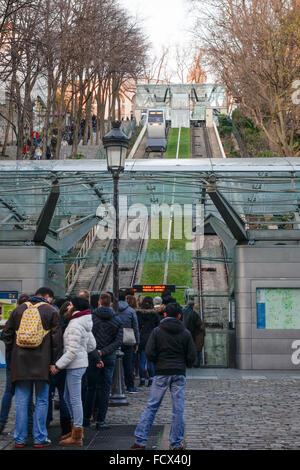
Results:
[146, 288]
[8, 302]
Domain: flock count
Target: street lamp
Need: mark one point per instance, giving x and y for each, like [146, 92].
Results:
[116, 144]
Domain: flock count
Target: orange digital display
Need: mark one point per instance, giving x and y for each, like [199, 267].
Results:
[154, 288]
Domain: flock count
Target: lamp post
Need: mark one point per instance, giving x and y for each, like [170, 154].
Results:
[116, 144]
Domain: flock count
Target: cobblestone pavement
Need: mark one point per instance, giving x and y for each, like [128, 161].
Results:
[223, 411]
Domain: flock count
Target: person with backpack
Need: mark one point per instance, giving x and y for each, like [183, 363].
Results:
[78, 341]
[33, 336]
[171, 349]
[9, 387]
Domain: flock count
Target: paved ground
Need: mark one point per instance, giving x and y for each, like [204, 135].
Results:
[225, 409]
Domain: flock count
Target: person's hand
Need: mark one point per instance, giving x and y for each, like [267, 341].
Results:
[136, 348]
[100, 365]
[100, 352]
[54, 370]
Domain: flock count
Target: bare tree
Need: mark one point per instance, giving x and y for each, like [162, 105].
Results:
[253, 47]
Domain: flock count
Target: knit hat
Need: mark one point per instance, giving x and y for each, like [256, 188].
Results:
[80, 304]
[157, 301]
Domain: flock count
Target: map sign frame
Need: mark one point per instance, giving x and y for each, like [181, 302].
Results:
[277, 308]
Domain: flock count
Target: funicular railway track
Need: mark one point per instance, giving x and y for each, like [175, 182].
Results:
[200, 143]
[128, 271]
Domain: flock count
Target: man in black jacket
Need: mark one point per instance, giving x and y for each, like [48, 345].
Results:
[108, 332]
[171, 349]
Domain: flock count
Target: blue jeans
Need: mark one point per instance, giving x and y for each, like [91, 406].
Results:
[72, 395]
[142, 366]
[23, 395]
[160, 384]
[7, 397]
[98, 387]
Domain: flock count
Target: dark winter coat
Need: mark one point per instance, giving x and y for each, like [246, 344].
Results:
[129, 319]
[171, 348]
[107, 330]
[195, 325]
[168, 300]
[148, 320]
[33, 363]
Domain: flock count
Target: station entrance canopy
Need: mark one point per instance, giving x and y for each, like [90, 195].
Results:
[193, 97]
[55, 203]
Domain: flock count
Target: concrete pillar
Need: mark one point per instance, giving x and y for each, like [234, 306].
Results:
[209, 117]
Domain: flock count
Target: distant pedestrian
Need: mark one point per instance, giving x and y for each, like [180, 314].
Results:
[148, 319]
[171, 349]
[37, 153]
[78, 341]
[130, 324]
[48, 153]
[33, 335]
[108, 332]
[34, 137]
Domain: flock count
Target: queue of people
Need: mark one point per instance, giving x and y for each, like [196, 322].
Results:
[71, 344]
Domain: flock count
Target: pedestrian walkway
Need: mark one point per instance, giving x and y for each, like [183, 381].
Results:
[225, 409]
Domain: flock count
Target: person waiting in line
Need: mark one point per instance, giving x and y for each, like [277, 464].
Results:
[193, 322]
[159, 307]
[85, 294]
[167, 297]
[78, 341]
[171, 349]
[148, 320]
[129, 320]
[30, 365]
[9, 387]
[58, 381]
[108, 332]
[132, 302]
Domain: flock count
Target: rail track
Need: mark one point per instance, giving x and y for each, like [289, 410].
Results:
[128, 271]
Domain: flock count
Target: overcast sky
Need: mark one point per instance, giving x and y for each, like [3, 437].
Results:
[166, 22]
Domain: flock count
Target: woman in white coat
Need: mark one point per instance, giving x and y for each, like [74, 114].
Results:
[78, 343]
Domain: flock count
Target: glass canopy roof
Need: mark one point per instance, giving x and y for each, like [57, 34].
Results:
[258, 190]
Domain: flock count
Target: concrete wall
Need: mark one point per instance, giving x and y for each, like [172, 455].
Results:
[263, 267]
[26, 268]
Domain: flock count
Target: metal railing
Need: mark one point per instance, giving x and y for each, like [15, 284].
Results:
[80, 260]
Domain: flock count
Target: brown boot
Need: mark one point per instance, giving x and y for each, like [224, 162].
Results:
[76, 438]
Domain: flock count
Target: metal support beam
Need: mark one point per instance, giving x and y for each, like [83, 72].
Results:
[222, 231]
[231, 218]
[47, 214]
[65, 243]
[16, 235]
[77, 222]
[274, 235]
[12, 209]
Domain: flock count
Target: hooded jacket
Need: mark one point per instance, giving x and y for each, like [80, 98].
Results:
[171, 348]
[129, 319]
[78, 342]
[148, 319]
[33, 363]
[107, 330]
